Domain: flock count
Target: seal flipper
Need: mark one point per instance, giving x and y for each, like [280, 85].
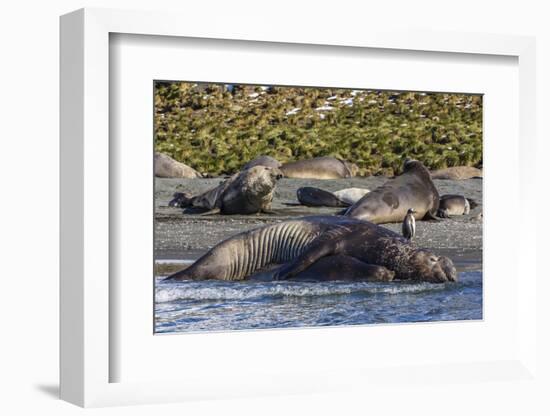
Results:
[325, 245]
[430, 216]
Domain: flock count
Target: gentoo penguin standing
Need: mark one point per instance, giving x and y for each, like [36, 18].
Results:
[409, 225]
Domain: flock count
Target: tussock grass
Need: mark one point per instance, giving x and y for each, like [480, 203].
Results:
[217, 128]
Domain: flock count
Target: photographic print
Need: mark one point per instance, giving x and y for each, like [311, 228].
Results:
[289, 207]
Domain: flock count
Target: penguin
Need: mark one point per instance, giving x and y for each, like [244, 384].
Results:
[409, 225]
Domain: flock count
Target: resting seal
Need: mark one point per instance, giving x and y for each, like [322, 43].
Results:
[246, 192]
[320, 168]
[454, 205]
[263, 161]
[332, 268]
[166, 167]
[389, 203]
[316, 197]
[457, 173]
[297, 244]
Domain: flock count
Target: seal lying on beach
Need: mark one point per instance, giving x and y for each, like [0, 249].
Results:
[263, 161]
[320, 168]
[454, 205]
[457, 173]
[166, 167]
[391, 201]
[316, 197]
[246, 192]
[332, 268]
[296, 245]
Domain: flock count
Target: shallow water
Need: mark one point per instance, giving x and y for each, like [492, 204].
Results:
[220, 306]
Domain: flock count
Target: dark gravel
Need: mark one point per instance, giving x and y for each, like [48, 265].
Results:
[179, 235]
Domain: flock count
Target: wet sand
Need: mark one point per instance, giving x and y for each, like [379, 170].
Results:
[185, 236]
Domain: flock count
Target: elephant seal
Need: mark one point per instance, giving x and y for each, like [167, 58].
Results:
[332, 268]
[298, 244]
[263, 161]
[246, 192]
[457, 173]
[320, 168]
[389, 203]
[351, 195]
[316, 197]
[166, 167]
[450, 205]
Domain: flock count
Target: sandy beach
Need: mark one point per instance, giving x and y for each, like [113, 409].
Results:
[184, 236]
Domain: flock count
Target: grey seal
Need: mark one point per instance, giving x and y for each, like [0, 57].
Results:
[389, 203]
[450, 205]
[246, 192]
[316, 197]
[332, 268]
[457, 173]
[166, 167]
[320, 168]
[297, 244]
[268, 161]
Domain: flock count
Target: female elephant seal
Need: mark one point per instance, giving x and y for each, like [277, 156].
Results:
[166, 167]
[450, 205]
[246, 192]
[298, 244]
[268, 161]
[457, 173]
[390, 202]
[316, 197]
[320, 168]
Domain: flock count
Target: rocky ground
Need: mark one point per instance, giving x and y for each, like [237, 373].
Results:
[184, 236]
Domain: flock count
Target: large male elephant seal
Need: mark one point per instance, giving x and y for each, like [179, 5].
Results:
[268, 161]
[166, 167]
[246, 192]
[316, 197]
[320, 168]
[457, 173]
[298, 244]
[391, 201]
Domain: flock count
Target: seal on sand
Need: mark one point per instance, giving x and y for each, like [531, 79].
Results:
[166, 167]
[263, 161]
[246, 192]
[320, 168]
[389, 203]
[316, 197]
[297, 244]
[457, 173]
[450, 205]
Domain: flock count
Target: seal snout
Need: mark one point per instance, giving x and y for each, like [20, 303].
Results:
[448, 269]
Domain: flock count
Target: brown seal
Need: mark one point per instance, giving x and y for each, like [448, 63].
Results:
[297, 244]
[457, 173]
[246, 192]
[391, 201]
[166, 167]
[320, 168]
[268, 161]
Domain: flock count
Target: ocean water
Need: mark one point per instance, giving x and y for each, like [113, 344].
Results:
[190, 306]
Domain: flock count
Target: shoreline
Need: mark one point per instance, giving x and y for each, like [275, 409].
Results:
[179, 236]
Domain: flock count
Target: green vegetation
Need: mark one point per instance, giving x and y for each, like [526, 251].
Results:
[216, 129]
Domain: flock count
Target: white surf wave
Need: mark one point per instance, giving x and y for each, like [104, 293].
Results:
[239, 291]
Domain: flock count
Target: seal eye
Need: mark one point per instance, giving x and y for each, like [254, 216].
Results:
[433, 259]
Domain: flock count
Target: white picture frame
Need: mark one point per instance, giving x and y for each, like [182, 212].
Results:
[86, 304]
